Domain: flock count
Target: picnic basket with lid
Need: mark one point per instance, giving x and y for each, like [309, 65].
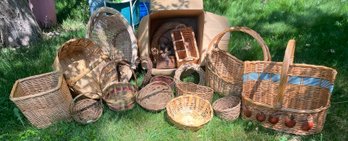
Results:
[111, 31]
[294, 98]
[223, 70]
[85, 110]
[43, 99]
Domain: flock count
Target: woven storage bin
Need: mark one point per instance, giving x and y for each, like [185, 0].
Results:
[227, 108]
[166, 79]
[223, 70]
[81, 61]
[155, 96]
[120, 96]
[43, 99]
[85, 110]
[189, 112]
[110, 29]
[294, 97]
[189, 69]
[183, 88]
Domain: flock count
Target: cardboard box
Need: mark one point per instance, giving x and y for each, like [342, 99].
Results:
[206, 26]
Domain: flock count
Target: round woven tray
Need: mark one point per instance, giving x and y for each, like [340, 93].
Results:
[189, 112]
[166, 79]
[188, 69]
[85, 110]
[155, 96]
[119, 96]
[183, 88]
[227, 108]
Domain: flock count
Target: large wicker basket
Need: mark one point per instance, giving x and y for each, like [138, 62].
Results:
[155, 96]
[85, 110]
[294, 97]
[110, 29]
[227, 108]
[183, 88]
[224, 71]
[43, 99]
[81, 61]
[189, 112]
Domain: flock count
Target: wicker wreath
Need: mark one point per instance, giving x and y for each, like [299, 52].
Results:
[188, 68]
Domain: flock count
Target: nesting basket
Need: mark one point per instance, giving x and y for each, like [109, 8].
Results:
[288, 97]
[81, 61]
[43, 99]
[189, 112]
[183, 88]
[227, 108]
[223, 70]
[85, 110]
[111, 31]
[155, 96]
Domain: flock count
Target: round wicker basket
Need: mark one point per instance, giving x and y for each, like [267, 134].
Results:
[166, 79]
[189, 112]
[120, 96]
[85, 110]
[227, 108]
[155, 96]
[183, 88]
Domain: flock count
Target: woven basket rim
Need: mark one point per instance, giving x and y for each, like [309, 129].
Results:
[14, 88]
[196, 85]
[227, 109]
[223, 78]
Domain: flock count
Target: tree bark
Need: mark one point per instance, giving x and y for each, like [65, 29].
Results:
[17, 23]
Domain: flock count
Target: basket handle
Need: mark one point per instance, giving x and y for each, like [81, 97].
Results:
[215, 41]
[288, 60]
[148, 74]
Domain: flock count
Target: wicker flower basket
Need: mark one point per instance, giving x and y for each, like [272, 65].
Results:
[294, 98]
[183, 88]
[155, 96]
[188, 69]
[189, 112]
[227, 108]
[110, 29]
[81, 61]
[166, 79]
[85, 110]
[224, 71]
[43, 99]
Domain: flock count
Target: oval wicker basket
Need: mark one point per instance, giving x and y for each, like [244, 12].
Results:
[120, 96]
[188, 69]
[166, 79]
[227, 108]
[111, 30]
[85, 110]
[155, 96]
[115, 71]
[183, 88]
[189, 112]
[80, 60]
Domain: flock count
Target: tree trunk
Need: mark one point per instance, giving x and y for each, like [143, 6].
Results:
[17, 23]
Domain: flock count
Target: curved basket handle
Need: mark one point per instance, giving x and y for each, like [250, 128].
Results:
[215, 41]
[148, 74]
[92, 20]
[288, 60]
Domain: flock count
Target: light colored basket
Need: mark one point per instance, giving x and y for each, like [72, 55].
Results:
[183, 88]
[294, 97]
[110, 29]
[227, 108]
[85, 110]
[189, 112]
[155, 96]
[223, 70]
[43, 99]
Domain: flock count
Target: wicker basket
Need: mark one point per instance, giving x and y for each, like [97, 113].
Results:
[227, 108]
[294, 97]
[81, 60]
[120, 96]
[115, 71]
[224, 71]
[166, 79]
[188, 69]
[189, 112]
[183, 88]
[110, 29]
[43, 99]
[155, 96]
[85, 110]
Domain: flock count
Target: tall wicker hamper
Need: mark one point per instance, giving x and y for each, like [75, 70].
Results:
[43, 99]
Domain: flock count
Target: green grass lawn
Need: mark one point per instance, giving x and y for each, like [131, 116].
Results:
[320, 28]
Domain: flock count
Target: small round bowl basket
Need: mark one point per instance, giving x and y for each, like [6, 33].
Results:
[227, 108]
[189, 112]
[85, 110]
[119, 96]
[167, 79]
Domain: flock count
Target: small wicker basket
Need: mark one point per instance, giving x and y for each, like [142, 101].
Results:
[43, 99]
[166, 79]
[189, 112]
[188, 69]
[85, 110]
[227, 108]
[155, 96]
[183, 88]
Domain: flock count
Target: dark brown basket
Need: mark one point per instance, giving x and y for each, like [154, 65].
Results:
[294, 98]
[223, 70]
[166, 79]
[227, 108]
[120, 96]
[43, 99]
[183, 88]
[155, 96]
[85, 110]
